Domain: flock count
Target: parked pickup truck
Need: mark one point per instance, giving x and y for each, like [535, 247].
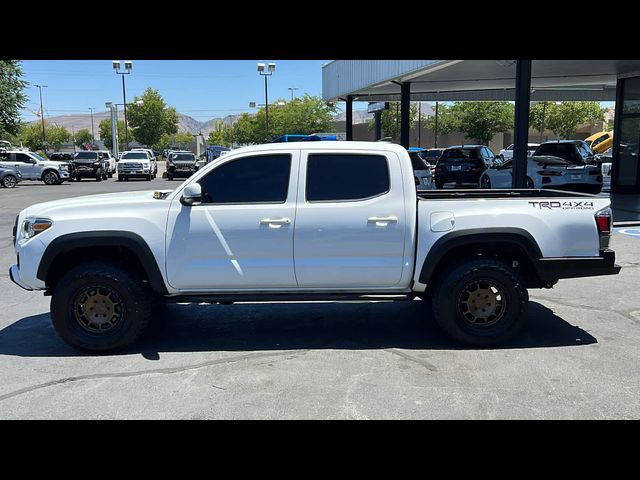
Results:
[312, 221]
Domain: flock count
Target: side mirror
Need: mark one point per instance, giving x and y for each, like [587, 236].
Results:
[191, 195]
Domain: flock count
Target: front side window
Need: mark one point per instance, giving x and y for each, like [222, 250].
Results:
[338, 176]
[256, 179]
[24, 158]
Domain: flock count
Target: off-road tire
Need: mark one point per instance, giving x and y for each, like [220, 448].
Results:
[135, 306]
[451, 287]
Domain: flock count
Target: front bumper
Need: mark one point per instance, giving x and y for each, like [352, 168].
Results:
[573, 267]
[81, 171]
[14, 275]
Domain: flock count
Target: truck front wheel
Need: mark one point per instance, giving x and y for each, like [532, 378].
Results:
[480, 302]
[99, 307]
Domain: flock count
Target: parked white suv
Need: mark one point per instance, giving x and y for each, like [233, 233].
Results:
[507, 153]
[113, 165]
[33, 167]
[137, 164]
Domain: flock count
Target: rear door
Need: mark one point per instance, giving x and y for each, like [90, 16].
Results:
[350, 220]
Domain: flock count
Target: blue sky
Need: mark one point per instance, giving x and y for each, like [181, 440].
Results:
[202, 89]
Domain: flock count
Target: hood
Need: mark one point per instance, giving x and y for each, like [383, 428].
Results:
[105, 202]
[53, 163]
[134, 160]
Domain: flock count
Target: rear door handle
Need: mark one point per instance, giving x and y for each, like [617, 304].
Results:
[382, 220]
[272, 222]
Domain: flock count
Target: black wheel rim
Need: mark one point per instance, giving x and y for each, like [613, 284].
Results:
[482, 303]
[486, 183]
[98, 309]
[9, 181]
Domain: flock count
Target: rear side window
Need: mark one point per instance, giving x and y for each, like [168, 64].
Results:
[417, 162]
[335, 177]
[257, 179]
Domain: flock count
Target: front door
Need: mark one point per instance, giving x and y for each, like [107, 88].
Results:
[241, 235]
[350, 223]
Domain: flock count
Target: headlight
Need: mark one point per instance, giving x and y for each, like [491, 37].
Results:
[31, 226]
[96, 164]
[146, 167]
[63, 167]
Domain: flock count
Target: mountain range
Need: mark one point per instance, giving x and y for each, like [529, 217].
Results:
[185, 122]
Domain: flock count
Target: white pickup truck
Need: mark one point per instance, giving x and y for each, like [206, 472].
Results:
[306, 221]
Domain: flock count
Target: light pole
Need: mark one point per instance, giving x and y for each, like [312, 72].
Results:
[271, 67]
[93, 133]
[435, 138]
[113, 108]
[128, 65]
[73, 137]
[292, 94]
[44, 137]
[419, 122]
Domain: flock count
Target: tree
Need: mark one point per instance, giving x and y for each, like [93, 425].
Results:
[182, 140]
[477, 120]
[31, 135]
[305, 115]
[12, 97]
[390, 120]
[83, 136]
[57, 135]
[563, 118]
[104, 129]
[222, 135]
[151, 119]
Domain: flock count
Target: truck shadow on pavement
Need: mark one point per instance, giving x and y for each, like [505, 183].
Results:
[290, 326]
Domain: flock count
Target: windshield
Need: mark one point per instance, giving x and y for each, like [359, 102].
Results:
[134, 156]
[86, 156]
[37, 157]
[184, 156]
[432, 153]
[460, 153]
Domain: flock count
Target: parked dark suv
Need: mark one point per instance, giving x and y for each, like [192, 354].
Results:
[181, 164]
[574, 151]
[90, 164]
[462, 164]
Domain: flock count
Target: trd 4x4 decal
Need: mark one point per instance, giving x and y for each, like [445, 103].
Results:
[563, 205]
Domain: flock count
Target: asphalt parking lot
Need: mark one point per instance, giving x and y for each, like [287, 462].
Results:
[578, 357]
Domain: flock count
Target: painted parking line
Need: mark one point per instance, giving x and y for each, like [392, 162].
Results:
[630, 232]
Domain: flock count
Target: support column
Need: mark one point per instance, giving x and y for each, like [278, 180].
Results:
[378, 124]
[349, 118]
[405, 113]
[617, 128]
[521, 134]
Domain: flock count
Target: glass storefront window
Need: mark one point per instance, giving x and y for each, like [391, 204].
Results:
[631, 98]
[628, 153]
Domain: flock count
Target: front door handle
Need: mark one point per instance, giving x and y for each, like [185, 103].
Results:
[382, 221]
[275, 222]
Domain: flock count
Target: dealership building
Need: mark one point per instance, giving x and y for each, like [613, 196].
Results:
[521, 81]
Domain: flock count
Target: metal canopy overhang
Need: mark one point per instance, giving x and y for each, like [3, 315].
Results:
[458, 80]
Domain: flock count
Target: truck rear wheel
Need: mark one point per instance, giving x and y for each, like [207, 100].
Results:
[480, 302]
[99, 307]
